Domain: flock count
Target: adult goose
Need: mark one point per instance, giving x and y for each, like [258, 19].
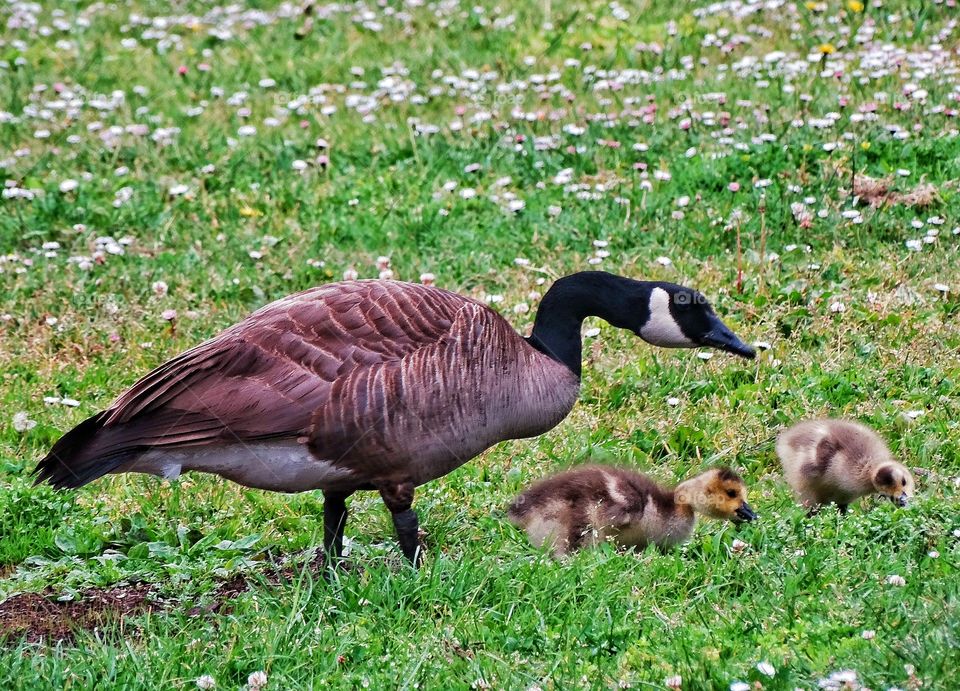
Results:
[369, 385]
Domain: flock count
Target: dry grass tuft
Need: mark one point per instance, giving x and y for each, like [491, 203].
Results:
[877, 192]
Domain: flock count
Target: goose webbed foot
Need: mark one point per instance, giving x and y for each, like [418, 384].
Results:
[399, 498]
[334, 519]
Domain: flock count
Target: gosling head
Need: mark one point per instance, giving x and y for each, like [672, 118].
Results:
[678, 317]
[718, 493]
[894, 481]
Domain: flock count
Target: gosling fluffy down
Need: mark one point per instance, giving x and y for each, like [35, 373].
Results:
[838, 461]
[590, 504]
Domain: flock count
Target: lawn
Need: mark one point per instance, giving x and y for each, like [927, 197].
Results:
[171, 167]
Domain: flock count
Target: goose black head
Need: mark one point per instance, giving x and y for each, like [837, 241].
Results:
[678, 317]
[663, 314]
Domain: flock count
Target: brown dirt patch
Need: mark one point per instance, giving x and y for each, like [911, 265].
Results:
[40, 617]
[316, 565]
[274, 574]
[37, 617]
[222, 596]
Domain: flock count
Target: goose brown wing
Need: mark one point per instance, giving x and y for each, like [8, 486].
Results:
[267, 375]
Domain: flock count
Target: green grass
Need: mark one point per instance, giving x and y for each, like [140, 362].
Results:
[486, 609]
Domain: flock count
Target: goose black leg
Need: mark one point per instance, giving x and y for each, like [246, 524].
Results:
[842, 508]
[399, 499]
[408, 529]
[334, 519]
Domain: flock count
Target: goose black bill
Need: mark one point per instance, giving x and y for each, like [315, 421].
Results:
[722, 338]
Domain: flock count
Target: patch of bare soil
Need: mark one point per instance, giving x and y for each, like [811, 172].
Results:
[315, 565]
[877, 192]
[222, 596]
[39, 617]
[274, 574]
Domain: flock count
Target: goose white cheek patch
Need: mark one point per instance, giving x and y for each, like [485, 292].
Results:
[661, 329]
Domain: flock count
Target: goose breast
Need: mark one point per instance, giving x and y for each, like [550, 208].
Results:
[427, 413]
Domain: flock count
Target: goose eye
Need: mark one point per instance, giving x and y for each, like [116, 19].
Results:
[903, 482]
[731, 493]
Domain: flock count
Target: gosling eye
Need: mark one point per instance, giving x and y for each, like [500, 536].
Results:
[903, 482]
[732, 493]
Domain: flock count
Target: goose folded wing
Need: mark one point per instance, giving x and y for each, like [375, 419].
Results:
[266, 376]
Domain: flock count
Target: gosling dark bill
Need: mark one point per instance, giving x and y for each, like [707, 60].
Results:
[745, 513]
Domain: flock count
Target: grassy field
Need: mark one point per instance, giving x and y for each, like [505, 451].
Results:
[170, 168]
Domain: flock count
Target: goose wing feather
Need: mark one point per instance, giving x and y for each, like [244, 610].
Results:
[267, 376]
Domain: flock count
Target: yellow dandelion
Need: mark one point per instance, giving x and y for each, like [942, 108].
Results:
[248, 212]
[855, 6]
[827, 48]
[865, 145]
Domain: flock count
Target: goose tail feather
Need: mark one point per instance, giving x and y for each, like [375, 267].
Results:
[80, 456]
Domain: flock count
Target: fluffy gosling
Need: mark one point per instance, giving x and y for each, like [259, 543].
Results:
[590, 504]
[837, 461]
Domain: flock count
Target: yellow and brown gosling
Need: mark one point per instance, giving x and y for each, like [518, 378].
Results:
[590, 504]
[838, 461]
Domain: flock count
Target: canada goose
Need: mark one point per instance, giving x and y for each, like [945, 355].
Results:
[837, 461]
[369, 385]
[593, 503]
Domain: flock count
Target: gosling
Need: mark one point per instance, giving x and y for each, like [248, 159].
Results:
[837, 461]
[590, 504]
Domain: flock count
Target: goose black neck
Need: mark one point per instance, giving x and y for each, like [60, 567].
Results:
[556, 330]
